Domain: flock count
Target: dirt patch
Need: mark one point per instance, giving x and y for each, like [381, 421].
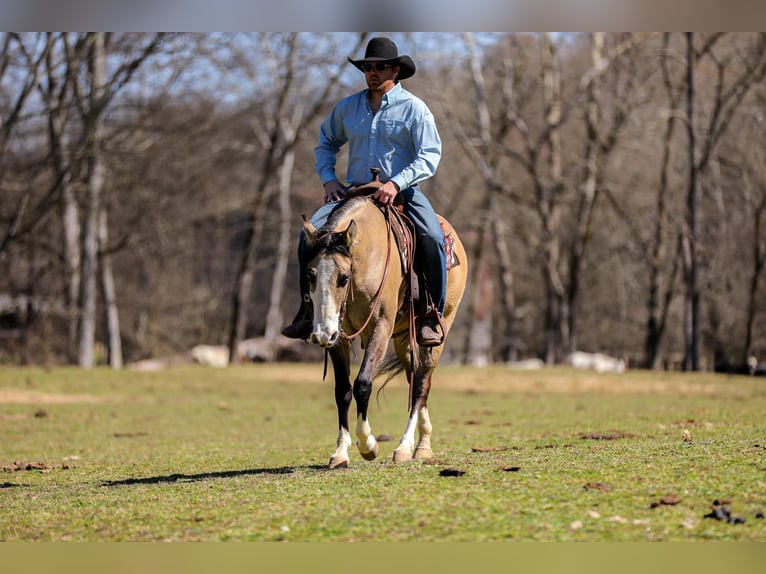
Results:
[18, 397]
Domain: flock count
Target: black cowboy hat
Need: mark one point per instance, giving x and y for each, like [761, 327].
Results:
[382, 49]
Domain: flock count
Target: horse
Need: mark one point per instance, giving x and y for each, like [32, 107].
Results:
[359, 288]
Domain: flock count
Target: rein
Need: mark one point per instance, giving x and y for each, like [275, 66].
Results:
[378, 295]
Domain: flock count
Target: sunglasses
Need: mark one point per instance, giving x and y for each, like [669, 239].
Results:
[377, 66]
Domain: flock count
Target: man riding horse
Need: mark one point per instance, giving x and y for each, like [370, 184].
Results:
[392, 130]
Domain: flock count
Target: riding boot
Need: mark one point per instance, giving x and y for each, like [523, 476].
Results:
[432, 261]
[303, 323]
[430, 333]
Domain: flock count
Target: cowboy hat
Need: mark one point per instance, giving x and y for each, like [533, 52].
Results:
[382, 49]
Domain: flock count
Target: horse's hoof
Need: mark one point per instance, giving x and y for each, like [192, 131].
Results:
[402, 455]
[338, 463]
[422, 453]
[372, 455]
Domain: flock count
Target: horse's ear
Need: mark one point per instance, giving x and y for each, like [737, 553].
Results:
[310, 231]
[350, 233]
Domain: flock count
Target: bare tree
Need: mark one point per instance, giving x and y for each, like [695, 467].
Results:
[25, 55]
[284, 125]
[602, 132]
[727, 98]
[94, 92]
[658, 305]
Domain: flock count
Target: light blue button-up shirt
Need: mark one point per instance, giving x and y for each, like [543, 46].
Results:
[400, 139]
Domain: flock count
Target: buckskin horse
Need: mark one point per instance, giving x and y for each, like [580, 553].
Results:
[359, 287]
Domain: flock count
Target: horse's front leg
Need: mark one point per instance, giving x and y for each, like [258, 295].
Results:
[341, 364]
[375, 349]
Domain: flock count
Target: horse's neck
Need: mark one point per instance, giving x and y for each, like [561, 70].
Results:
[371, 231]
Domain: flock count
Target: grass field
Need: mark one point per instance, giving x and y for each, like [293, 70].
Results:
[240, 454]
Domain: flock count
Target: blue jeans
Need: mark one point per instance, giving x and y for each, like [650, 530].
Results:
[430, 256]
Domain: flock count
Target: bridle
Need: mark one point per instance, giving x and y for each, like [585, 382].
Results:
[378, 295]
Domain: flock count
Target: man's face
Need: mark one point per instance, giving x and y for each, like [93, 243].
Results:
[379, 75]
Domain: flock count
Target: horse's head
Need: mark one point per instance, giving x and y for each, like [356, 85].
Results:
[329, 274]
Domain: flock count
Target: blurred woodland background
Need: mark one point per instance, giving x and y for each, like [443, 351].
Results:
[610, 190]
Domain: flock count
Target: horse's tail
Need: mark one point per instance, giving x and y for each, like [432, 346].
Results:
[391, 366]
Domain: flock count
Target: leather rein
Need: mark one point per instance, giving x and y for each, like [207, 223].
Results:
[378, 295]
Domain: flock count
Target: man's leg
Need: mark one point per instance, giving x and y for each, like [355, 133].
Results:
[303, 322]
[432, 260]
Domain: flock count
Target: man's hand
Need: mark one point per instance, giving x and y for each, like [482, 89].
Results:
[333, 191]
[386, 193]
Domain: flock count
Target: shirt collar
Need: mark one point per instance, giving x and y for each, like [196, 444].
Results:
[390, 96]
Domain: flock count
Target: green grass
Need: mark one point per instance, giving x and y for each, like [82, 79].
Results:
[240, 454]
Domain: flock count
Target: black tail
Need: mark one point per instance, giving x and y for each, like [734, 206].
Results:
[392, 366]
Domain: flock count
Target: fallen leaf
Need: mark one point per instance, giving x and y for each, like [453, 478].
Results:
[433, 461]
[597, 486]
[18, 465]
[451, 472]
[384, 438]
[510, 468]
[488, 448]
[576, 525]
[615, 435]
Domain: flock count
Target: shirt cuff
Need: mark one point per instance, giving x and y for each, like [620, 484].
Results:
[400, 181]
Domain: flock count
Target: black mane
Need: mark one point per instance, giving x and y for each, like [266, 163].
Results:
[327, 238]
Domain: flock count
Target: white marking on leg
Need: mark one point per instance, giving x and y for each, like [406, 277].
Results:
[424, 429]
[366, 441]
[344, 441]
[407, 444]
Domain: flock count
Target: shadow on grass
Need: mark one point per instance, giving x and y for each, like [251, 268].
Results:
[178, 477]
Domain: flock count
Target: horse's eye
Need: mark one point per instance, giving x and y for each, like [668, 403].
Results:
[343, 279]
[312, 274]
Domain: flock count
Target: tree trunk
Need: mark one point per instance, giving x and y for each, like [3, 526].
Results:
[70, 219]
[274, 318]
[655, 312]
[589, 186]
[95, 183]
[508, 298]
[111, 310]
[478, 334]
[691, 294]
[244, 282]
[556, 321]
[759, 261]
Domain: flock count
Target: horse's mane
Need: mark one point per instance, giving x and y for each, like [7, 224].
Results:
[343, 211]
[329, 239]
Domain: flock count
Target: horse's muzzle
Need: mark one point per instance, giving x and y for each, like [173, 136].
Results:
[324, 338]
